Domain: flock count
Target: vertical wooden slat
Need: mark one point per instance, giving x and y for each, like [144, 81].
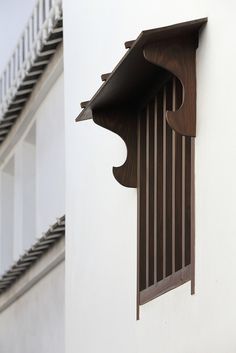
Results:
[168, 186]
[165, 170]
[183, 201]
[147, 196]
[173, 181]
[138, 213]
[161, 177]
[180, 99]
[165, 194]
[187, 200]
[192, 215]
[150, 148]
[178, 202]
[142, 201]
[177, 89]
[155, 208]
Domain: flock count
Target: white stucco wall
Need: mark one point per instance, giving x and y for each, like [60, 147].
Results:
[50, 157]
[35, 322]
[35, 169]
[24, 220]
[7, 215]
[101, 214]
[39, 170]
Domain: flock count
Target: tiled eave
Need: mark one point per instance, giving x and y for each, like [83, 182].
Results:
[47, 241]
[18, 90]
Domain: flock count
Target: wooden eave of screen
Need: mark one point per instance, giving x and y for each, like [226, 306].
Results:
[135, 73]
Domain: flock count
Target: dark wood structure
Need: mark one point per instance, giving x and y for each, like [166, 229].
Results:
[149, 100]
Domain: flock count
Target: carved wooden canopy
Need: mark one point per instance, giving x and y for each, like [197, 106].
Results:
[150, 60]
[149, 100]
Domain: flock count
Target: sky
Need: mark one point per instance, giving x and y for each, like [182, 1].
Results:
[14, 15]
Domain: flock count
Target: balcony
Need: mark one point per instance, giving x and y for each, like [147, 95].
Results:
[41, 36]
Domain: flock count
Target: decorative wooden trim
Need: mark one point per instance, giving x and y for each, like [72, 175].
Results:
[173, 281]
[104, 77]
[84, 104]
[146, 65]
[177, 55]
[135, 75]
[123, 123]
[192, 217]
[129, 44]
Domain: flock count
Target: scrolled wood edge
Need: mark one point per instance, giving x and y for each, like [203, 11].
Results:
[177, 55]
[124, 124]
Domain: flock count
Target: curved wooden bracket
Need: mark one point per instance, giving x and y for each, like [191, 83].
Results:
[177, 55]
[124, 124]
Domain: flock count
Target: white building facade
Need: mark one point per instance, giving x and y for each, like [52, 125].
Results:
[32, 188]
[102, 215]
[53, 168]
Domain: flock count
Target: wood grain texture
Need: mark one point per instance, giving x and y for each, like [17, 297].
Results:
[124, 124]
[177, 55]
[165, 211]
[171, 282]
[104, 77]
[134, 75]
[129, 44]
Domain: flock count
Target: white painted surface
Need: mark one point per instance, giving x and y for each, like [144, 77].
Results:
[24, 196]
[7, 215]
[35, 322]
[17, 217]
[101, 214]
[29, 177]
[39, 177]
[29, 189]
[50, 158]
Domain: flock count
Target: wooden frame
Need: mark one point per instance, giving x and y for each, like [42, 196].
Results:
[165, 194]
[154, 59]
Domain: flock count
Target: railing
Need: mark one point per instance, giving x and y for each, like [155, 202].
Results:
[38, 41]
[45, 242]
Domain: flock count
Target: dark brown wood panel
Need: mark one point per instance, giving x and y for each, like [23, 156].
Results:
[173, 281]
[142, 101]
[150, 167]
[142, 199]
[187, 200]
[165, 193]
[160, 152]
[168, 182]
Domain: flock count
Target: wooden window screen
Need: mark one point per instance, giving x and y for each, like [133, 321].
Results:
[149, 100]
[165, 187]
